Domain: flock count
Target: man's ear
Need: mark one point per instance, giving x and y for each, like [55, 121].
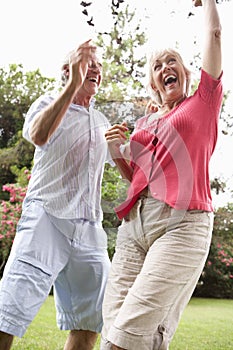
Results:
[66, 70]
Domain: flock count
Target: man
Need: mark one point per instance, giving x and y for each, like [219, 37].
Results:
[60, 240]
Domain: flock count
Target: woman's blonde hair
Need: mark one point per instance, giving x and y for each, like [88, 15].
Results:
[155, 95]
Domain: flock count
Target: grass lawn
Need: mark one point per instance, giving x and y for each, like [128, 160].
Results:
[206, 324]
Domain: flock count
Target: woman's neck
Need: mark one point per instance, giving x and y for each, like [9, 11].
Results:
[168, 106]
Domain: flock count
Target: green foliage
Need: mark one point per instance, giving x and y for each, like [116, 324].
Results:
[22, 175]
[6, 159]
[223, 223]
[113, 193]
[217, 278]
[19, 156]
[17, 92]
[123, 63]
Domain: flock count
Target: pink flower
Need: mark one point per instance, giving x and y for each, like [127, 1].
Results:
[5, 188]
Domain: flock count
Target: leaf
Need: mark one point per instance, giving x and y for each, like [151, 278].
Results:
[85, 4]
[90, 22]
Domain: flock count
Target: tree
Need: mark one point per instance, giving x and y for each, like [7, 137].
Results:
[123, 62]
[17, 92]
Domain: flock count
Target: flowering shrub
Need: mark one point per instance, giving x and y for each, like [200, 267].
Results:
[217, 278]
[10, 212]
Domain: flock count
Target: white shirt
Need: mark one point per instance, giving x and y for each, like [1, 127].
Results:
[68, 169]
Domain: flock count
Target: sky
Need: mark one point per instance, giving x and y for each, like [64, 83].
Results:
[38, 34]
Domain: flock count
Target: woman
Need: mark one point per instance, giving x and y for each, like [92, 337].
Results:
[164, 239]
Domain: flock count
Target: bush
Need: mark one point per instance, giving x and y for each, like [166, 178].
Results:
[217, 278]
[10, 212]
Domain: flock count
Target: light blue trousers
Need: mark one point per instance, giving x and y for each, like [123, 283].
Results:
[71, 255]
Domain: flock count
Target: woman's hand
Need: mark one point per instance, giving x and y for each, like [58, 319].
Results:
[116, 136]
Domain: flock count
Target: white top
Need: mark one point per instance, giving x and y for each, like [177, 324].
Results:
[68, 169]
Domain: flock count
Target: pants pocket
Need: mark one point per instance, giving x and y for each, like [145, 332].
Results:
[24, 288]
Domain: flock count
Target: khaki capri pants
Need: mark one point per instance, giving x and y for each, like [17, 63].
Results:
[160, 255]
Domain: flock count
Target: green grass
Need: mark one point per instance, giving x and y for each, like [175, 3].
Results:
[206, 324]
[43, 333]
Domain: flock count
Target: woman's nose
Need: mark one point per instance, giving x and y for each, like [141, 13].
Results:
[165, 66]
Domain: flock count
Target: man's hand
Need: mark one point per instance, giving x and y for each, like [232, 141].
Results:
[79, 61]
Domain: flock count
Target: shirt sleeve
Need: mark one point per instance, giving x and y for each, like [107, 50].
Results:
[36, 107]
[210, 89]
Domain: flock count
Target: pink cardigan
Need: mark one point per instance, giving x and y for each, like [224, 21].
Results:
[184, 141]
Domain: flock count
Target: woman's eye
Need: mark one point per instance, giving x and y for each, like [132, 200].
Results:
[156, 67]
[172, 60]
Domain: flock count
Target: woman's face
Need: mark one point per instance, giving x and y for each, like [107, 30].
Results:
[169, 78]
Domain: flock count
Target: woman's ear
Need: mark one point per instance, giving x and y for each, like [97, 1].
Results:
[153, 87]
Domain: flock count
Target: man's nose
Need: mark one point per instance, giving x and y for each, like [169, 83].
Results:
[94, 66]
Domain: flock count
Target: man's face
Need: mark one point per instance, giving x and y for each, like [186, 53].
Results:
[93, 77]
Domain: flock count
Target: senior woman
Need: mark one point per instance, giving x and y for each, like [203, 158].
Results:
[165, 235]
